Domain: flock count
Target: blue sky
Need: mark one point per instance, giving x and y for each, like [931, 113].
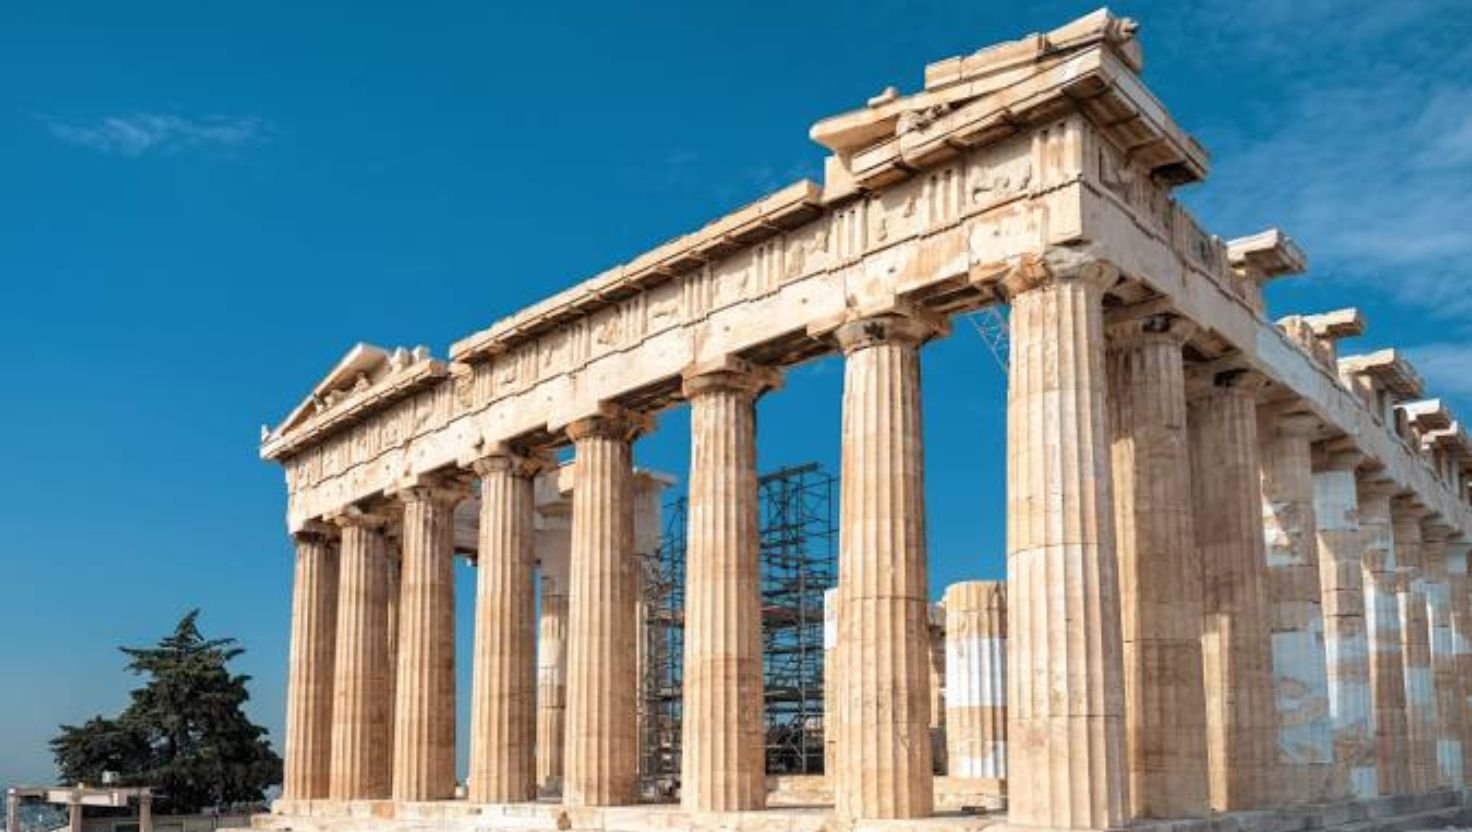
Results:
[204, 205]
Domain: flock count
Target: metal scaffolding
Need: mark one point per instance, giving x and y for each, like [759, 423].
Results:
[799, 545]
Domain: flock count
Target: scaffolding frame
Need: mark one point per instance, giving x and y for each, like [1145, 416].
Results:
[799, 544]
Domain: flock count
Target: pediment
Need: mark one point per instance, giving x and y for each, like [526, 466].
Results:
[366, 375]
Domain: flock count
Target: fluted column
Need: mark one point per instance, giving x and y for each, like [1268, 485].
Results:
[1065, 689]
[976, 679]
[503, 703]
[553, 542]
[424, 698]
[937, 667]
[1444, 678]
[308, 758]
[1458, 588]
[1236, 648]
[722, 745]
[831, 685]
[1305, 750]
[1346, 635]
[393, 550]
[1159, 569]
[360, 729]
[1415, 634]
[600, 760]
[884, 765]
[1382, 617]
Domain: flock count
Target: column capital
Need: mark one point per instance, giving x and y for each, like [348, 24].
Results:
[612, 422]
[1154, 328]
[358, 517]
[1409, 507]
[1293, 424]
[446, 488]
[895, 322]
[1237, 380]
[1035, 271]
[316, 531]
[501, 457]
[1377, 487]
[728, 373]
[1337, 455]
[1434, 531]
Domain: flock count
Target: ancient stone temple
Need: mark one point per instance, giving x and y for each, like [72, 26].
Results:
[1236, 566]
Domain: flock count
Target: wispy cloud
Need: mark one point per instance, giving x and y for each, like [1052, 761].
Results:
[1366, 160]
[137, 134]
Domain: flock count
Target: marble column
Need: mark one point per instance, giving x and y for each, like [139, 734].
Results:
[503, 704]
[601, 751]
[145, 813]
[1236, 645]
[884, 764]
[1445, 681]
[1305, 739]
[976, 679]
[553, 541]
[831, 685]
[424, 697]
[1159, 569]
[1459, 588]
[722, 744]
[1065, 687]
[393, 550]
[1415, 634]
[308, 762]
[12, 810]
[937, 666]
[1346, 637]
[1382, 617]
[360, 729]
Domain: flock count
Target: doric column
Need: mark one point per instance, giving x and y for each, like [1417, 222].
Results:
[503, 706]
[1236, 647]
[1159, 569]
[884, 765]
[831, 685]
[553, 541]
[360, 729]
[1415, 635]
[1065, 687]
[394, 552]
[1382, 618]
[424, 698]
[723, 744]
[1447, 685]
[937, 666]
[1458, 588]
[308, 762]
[1346, 637]
[600, 760]
[1305, 750]
[976, 679]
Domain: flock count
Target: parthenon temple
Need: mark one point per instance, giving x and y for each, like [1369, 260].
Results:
[1236, 560]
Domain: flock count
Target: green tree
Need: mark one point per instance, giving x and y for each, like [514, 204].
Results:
[184, 733]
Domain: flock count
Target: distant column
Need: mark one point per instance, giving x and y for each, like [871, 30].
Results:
[1460, 590]
[601, 757]
[145, 813]
[553, 541]
[503, 707]
[424, 702]
[1305, 750]
[1445, 681]
[1159, 568]
[976, 679]
[1415, 633]
[831, 684]
[1067, 763]
[74, 812]
[1236, 647]
[937, 688]
[308, 762]
[360, 729]
[1382, 617]
[1346, 634]
[884, 765]
[12, 810]
[722, 746]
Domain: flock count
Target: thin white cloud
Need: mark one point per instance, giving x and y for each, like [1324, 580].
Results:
[1368, 157]
[136, 134]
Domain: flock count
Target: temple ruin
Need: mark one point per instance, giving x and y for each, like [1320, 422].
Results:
[1237, 561]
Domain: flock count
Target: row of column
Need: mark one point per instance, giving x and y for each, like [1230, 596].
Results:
[1167, 639]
